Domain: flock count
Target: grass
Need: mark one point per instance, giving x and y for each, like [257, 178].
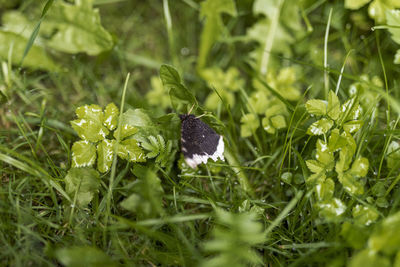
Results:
[258, 207]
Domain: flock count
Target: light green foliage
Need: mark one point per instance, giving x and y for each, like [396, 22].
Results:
[77, 29]
[364, 215]
[210, 13]
[226, 83]
[146, 199]
[367, 258]
[356, 235]
[393, 155]
[337, 124]
[159, 149]
[179, 94]
[82, 184]
[377, 9]
[94, 126]
[233, 240]
[157, 96]
[83, 256]
[355, 4]
[250, 124]
[386, 236]
[83, 154]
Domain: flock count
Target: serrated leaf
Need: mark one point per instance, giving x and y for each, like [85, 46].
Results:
[333, 110]
[181, 97]
[386, 236]
[332, 209]
[316, 107]
[250, 123]
[126, 131]
[110, 119]
[91, 112]
[105, 152]
[352, 126]
[364, 215]
[324, 155]
[83, 256]
[82, 182]
[325, 189]
[130, 150]
[360, 167]
[75, 29]
[83, 154]
[315, 166]
[355, 4]
[350, 183]
[319, 127]
[89, 123]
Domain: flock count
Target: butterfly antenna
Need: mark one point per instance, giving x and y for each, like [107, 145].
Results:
[190, 110]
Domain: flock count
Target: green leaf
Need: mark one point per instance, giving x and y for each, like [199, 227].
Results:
[386, 236]
[360, 167]
[396, 59]
[83, 154]
[126, 131]
[352, 126]
[364, 215]
[316, 178]
[36, 58]
[332, 209]
[324, 155]
[140, 119]
[76, 29]
[110, 119]
[250, 123]
[316, 107]
[355, 4]
[355, 234]
[350, 111]
[336, 141]
[82, 182]
[315, 166]
[393, 155]
[333, 110]
[211, 11]
[350, 183]
[319, 127]
[368, 258]
[130, 150]
[325, 190]
[105, 152]
[146, 200]
[89, 126]
[278, 122]
[181, 97]
[83, 256]
[287, 177]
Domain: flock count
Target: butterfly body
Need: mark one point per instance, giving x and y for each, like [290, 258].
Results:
[199, 141]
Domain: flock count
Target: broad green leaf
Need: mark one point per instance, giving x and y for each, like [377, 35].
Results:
[316, 107]
[350, 183]
[141, 121]
[324, 155]
[333, 110]
[16, 22]
[276, 109]
[319, 127]
[110, 119]
[379, 189]
[355, 4]
[316, 178]
[105, 152]
[360, 167]
[355, 234]
[352, 126]
[332, 208]
[133, 202]
[364, 215]
[82, 182]
[89, 126]
[181, 97]
[368, 258]
[325, 189]
[76, 29]
[130, 150]
[379, 9]
[83, 256]
[386, 236]
[36, 58]
[250, 123]
[83, 154]
[211, 11]
[287, 177]
[315, 166]
[278, 122]
[126, 131]
[258, 102]
[336, 141]
[345, 158]
[393, 155]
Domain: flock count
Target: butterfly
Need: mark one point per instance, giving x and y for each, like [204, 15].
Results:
[199, 142]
